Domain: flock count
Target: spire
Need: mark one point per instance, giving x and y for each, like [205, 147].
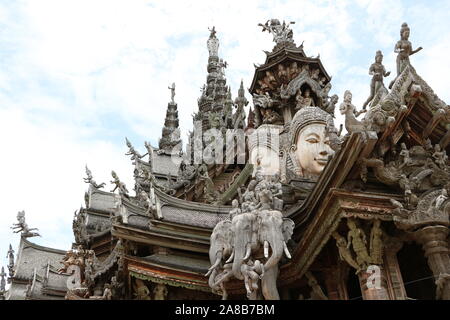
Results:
[214, 93]
[170, 141]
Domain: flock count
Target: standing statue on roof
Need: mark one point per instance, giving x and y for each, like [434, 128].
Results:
[131, 151]
[404, 49]
[281, 32]
[172, 93]
[22, 226]
[123, 191]
[89, 179]
[2, 281]
[10, 257]
[378, 72]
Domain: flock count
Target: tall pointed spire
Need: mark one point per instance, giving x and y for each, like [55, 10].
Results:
[170, 141]
[214, 94]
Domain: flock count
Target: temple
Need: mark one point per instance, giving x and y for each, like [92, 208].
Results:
[275, 203]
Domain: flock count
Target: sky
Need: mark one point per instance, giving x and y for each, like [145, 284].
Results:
[77, 77]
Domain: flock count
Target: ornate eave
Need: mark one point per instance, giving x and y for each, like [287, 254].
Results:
[338, 204]
[282, 56]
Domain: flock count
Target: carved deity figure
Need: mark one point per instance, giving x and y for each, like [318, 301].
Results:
[310, 148]
[344, 251]
[172, 93]
[89, 179]
[141, 291]
[349, 110]
[376, 243]
[10, 257]
[123, 191]
[281, 32]
[2, 280]
[252, 272]
[440, 157]
[378, 72]
[160, 292]
[131, 151]
[404, 49]
[22, 227]
[357, 239]
[236, 210]
[405, 159]
[107, 293]
[307, 99]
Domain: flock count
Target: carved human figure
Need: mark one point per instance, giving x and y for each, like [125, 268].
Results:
[236, 210]
[160, 292]
[2, 280]
[357, 239]
[376, 243]
[344, 252]
[89, 179]
[404, 156]
[331, 104]
[107, 293]
[404, 48]
[310, 143]
[252, 272]
[123, 191]
[172, 92]
[349, 110]
[131, 151]
[299, 100]
[141, 291]
[10, 256]
[440, 157]
[307, 99]
[378, 72]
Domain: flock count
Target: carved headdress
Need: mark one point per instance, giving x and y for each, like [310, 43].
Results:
[306, 116]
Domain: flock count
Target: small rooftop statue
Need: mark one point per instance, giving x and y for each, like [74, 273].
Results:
[89, 179]
[282, 34]
[378, 72]
[172, 93]
[123, 191]
[10, 257]
[132, 152]
[2, 281]
[22, 226]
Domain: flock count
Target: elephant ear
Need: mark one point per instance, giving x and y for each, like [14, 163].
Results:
[287, 228]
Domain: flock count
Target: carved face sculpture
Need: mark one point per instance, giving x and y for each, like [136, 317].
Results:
[268, 159]
[313, 149]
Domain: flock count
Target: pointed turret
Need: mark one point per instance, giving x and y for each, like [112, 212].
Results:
[170, 141]
[213, 100]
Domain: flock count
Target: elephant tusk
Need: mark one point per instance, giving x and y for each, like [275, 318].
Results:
[230, 258]
[266, 249]
[286, 250]
[248, 252]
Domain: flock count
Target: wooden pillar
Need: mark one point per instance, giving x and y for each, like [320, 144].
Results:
[393, 273]
[434, 242]
[335, 282]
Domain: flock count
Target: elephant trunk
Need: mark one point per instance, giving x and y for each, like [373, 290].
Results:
[216, 263]
[238, 261]
[277, 252]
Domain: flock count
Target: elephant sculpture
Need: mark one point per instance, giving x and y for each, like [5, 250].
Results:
[249, 239]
